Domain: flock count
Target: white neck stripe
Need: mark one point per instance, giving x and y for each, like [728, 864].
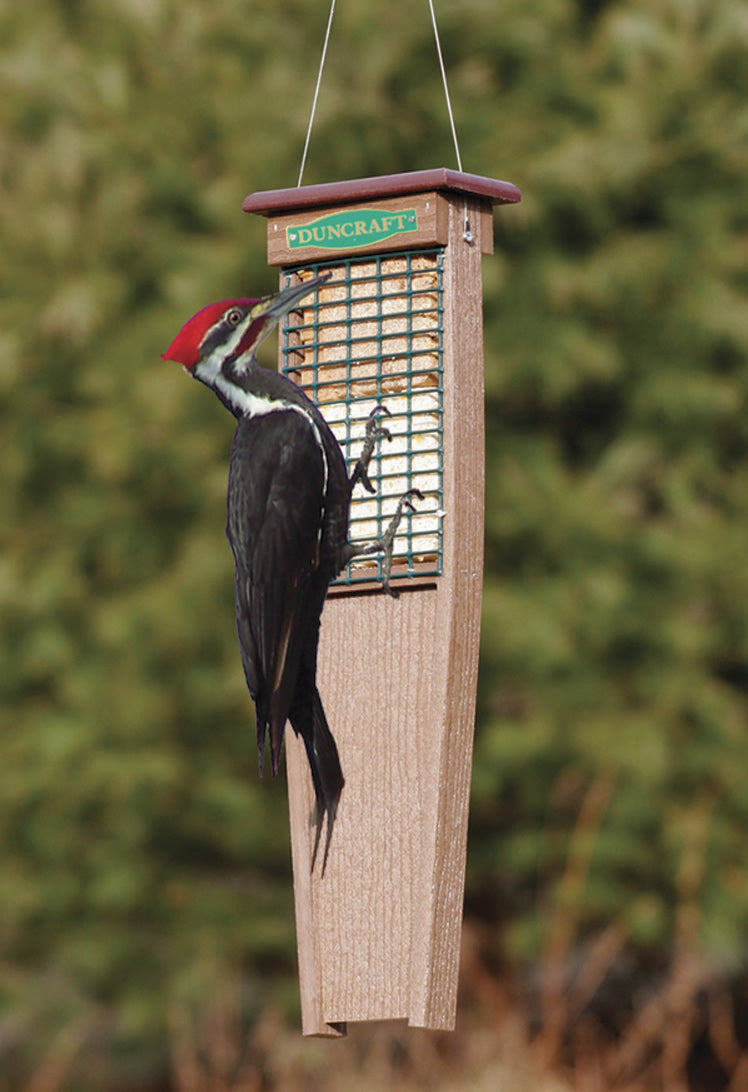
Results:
[254, 405]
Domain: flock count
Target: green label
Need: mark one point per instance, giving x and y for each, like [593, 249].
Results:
[344, 230]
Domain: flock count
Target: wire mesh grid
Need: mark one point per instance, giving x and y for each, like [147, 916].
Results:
[373, 335]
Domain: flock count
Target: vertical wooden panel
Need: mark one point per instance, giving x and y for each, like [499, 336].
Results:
[436, 961]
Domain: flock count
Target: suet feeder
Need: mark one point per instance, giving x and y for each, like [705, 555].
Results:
[398, 325]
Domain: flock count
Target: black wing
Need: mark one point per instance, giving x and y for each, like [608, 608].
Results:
[277, 480]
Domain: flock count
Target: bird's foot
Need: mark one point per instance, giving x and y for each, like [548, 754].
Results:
[385, 544]
[374, 433]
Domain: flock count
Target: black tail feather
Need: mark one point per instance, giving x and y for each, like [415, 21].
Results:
[324, 763]
[261, 722]
[261, 730]
[269, 724]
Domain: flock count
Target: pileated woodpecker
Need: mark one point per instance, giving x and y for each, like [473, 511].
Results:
[288, 508]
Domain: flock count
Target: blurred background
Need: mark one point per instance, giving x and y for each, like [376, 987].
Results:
[146, 919]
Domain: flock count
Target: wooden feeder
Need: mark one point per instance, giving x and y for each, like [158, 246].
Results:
[399, 324]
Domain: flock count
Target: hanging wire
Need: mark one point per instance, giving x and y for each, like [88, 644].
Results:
[467, 233]
[446, 89]
[316, 91]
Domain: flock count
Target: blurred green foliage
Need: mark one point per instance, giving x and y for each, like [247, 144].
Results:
[137, 846]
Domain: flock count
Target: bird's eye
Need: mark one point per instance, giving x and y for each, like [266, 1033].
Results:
[234, 316]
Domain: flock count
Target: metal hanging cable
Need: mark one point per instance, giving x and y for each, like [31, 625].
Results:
[446, 88]
[319, 82]
[316, 92]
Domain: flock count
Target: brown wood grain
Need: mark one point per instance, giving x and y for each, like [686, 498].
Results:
[331, 194]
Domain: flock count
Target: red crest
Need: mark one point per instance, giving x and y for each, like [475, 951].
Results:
[185, 348]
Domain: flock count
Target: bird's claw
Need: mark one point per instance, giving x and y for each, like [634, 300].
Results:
[373, 428]
[387, 541]
[374, 432]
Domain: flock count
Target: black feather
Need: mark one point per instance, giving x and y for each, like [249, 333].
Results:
[287, 521]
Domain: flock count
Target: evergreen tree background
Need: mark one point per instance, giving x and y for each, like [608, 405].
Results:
[140, 856]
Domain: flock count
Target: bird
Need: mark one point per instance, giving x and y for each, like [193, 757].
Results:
[288, 506]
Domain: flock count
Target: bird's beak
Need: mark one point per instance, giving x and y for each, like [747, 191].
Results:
[275, 307]
[271, 309]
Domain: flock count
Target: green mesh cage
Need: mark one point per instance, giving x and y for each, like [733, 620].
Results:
[373, 334]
